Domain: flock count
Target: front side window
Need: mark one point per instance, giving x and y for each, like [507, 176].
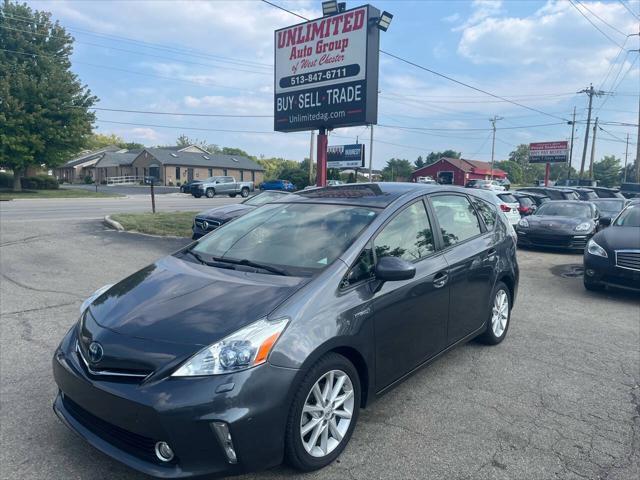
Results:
[486, 211]
[408, 235]
[362, 270]
[299, 238]
[458, 221]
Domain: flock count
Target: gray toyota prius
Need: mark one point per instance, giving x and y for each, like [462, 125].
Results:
[262, 341]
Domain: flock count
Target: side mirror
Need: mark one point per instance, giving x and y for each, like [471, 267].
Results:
[604, 221]
[392, 269]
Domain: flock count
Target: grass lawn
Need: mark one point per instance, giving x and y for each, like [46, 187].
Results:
[176, 224]
[6, 194]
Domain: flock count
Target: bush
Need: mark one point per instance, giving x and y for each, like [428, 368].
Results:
[39, 182]
[88, 180]
[6, 180]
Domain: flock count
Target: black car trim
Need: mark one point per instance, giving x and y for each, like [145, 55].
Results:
[627, 251]
[107, 373]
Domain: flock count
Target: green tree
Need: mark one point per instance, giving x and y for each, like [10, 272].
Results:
[514, 170]
[99, 140]
[419, 163]
[236, 151]
[397, 169]
[44, 108]
[607, 171]
[433, 157]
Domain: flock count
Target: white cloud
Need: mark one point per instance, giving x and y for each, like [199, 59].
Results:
[451, 18]
[147, 134]
[239, 105]
[481, 9]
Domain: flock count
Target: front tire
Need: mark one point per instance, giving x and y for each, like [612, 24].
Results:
[323, 414]
[499, 315]
[210, 193]
[244, 193]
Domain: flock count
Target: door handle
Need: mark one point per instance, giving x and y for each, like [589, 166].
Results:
[491, 255]
[441, 279]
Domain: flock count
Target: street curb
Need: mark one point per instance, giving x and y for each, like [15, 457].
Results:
[110, 222]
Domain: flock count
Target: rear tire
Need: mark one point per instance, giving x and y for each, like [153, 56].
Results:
[232, 195]
[332, 431]
[244, 193]
[210, 193]
[197, 195]
[499, 315]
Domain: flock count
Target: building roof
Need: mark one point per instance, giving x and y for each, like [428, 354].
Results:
[468, 166]
[210, 160]
[117, 159]
[87, 156]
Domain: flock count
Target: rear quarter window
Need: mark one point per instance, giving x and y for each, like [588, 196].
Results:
[507, 198]
[486, 211]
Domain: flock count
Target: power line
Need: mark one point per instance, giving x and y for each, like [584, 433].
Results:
[620, 82]
[182, 114]
[594, 25]
[613, 63]
[179, 127]
[599, 18]
[442, 75]
[517, 127]
[624, 4]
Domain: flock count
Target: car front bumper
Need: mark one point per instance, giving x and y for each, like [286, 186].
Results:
[603, 271]
[125, 418]
[555, 239]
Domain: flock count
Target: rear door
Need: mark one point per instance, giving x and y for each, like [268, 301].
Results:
[471, 256]
[410, 317]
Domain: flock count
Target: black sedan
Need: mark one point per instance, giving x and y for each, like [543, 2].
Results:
[612, 256]
[610, 207]
[209, 220]
[263, 340]
[559, 224]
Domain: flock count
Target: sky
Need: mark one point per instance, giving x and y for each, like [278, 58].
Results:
[216, 57]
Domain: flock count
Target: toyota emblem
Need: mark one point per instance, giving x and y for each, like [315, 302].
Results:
[95, 352]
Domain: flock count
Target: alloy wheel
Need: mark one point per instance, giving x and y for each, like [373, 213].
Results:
[500, 313]
[326, 414]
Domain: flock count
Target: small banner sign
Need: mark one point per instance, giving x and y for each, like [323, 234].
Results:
[345, 156]
[549, 152]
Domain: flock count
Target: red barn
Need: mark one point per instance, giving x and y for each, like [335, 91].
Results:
[457, 171]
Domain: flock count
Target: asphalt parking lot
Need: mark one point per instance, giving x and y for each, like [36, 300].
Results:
[559, 398]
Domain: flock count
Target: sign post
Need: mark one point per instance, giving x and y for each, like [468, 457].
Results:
[548, 153]
[326, 75]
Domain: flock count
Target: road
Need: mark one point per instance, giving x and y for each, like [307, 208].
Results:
[124, 189]
[559, 398]
[90, 208]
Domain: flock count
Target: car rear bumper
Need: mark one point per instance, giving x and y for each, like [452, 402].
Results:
[603, 271]
[124, 419]
[556, 240]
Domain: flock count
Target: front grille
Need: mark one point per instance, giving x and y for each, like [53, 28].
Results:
[551, 240]
[628, 259]
[211, 224]
[138, 445]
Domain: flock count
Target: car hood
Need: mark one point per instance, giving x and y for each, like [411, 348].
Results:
[619, 238]
[226, 211]
[552, 222]
[181, 302]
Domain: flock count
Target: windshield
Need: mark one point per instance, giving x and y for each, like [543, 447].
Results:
[610, 208]
[263, 198]
[507, 198]
[565, 209]
[629, 217]
[300, 238]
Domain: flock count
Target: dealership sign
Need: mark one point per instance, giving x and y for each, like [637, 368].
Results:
[549, 152]
[345, 156]
[326, 72]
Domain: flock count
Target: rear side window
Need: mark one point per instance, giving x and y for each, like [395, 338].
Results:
[457, 218]
[408, 235]
[486, 211]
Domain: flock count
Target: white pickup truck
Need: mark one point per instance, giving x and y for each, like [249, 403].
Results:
[221, 186]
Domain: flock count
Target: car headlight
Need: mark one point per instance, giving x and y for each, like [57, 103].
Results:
[524, 223]
[594, 249]
[246, 348]
[584, 227]
[93, 296]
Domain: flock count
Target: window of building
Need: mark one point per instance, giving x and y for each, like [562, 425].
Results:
[408, 235]
[210, 172]
[177, 173]
[253, 175]
[241, 175]
[457, 218]
[224, 172]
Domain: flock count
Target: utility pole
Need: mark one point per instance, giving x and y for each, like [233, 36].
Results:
[638, 147]
[493, 143]
[371, 154]
[573, 131]
[311, 158]
[626, 155]
[593, 149]
[590, 92]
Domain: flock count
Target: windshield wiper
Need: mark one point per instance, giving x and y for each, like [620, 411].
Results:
[195, 255]
[251, 263]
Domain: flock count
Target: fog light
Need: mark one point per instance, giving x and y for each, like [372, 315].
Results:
[590, 272]
[164, 452]
[221, 430]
